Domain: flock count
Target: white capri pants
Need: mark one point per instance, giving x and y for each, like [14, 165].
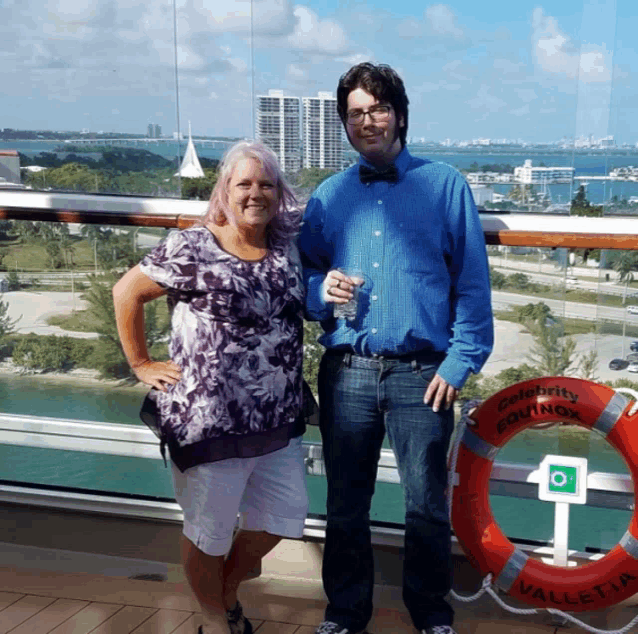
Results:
[269, 493]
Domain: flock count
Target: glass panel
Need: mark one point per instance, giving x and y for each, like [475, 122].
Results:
[90, 98]
[484, 107]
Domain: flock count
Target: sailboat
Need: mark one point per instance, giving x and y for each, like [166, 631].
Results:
[190, 167]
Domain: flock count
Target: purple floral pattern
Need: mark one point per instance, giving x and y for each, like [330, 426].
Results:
[237, 336]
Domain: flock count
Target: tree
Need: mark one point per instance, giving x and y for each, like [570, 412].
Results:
[519, 281]
[582, 207]
[522, 194]
[7, 325]
[552, 354]
[533, 315]
[625, 265]
[199, 188]
[497, 279]
[109, 357]
[310, 177]
[588, 366]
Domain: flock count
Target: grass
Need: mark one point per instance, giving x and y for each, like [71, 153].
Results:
[33, 257]
[571, 326]
[84, 321]
[79, 321]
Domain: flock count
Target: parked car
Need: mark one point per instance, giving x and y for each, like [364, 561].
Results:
[633, 367]
[632, 356]
[617, 364]
[633, 346]
[632, 310]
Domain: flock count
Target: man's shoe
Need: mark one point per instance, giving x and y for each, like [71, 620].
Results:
[328, 627]
[237, 622]
[439, 629]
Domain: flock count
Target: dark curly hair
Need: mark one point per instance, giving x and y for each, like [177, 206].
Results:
[383, 83]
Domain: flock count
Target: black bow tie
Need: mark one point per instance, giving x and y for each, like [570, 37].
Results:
[368, 175]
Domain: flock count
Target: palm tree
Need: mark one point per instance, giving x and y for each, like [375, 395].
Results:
[625, 266]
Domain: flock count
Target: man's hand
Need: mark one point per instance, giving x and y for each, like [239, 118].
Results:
[338, 288]
[440, 392]
[159, 374]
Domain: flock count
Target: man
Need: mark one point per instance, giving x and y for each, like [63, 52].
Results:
[423, 323]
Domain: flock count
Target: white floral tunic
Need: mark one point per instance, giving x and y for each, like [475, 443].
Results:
[237, 336]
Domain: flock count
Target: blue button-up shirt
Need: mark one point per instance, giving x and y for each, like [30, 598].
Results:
[420, 245]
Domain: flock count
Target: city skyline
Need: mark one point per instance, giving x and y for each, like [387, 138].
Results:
[525, 71]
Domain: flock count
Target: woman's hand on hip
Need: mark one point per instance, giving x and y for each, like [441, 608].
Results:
[158, 374]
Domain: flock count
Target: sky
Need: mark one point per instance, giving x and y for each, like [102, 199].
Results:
[491, 69]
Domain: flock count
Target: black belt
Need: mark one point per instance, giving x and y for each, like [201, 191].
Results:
[383, 360]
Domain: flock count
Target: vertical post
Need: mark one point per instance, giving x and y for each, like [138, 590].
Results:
[561, 533]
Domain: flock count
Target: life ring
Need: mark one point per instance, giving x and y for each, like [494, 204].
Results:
[591, 586]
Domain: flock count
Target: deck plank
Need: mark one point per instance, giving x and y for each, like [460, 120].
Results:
[53, 615]
[190, 625]
[163, 622]
[125, 621]
[22, 610]
[7, 598]
[270, 627]
[87, 619]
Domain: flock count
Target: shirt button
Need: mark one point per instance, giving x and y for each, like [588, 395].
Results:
[400, 224]
[374, 331]
[376, 265]
[375, 298]
[377, 233]
[379, 202]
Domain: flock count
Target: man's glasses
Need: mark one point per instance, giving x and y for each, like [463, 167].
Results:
[377, 113]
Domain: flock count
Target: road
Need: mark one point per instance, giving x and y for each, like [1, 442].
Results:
[33, 309]
[590, 312]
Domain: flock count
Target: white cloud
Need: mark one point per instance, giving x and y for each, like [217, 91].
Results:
[507, 67]
[555, 53]
[409, 28]
[296, 72]
[441, 20]
[486, 102]
[526, 94]
[313, 34]
[356, 58]
[521, 112]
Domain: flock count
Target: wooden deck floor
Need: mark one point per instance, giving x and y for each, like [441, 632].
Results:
[45, 602]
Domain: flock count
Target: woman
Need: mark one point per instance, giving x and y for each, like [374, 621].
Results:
[229, 398]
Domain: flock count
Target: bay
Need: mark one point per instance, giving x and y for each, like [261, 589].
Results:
[75, 399]
[585, 164]
[128, 476]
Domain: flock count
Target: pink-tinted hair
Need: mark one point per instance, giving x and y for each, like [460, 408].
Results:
[285, 223]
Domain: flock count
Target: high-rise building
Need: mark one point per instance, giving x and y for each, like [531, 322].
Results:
[277, 126]
[322, 136]
[154, 131]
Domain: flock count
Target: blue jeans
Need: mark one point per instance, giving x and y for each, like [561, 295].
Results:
[362, 399]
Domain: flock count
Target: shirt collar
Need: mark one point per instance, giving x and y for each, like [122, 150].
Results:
[401, 162]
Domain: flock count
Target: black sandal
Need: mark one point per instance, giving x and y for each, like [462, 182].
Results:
[237, 622]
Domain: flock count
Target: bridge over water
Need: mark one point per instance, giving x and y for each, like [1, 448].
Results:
[143, 141]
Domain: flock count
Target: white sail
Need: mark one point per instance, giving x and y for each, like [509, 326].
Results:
[190, 167]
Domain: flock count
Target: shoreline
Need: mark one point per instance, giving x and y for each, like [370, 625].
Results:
[84, 376]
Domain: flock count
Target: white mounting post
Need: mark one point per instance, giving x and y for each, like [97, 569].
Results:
[563, 480]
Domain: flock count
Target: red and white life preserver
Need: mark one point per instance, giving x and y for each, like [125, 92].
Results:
[591, 586]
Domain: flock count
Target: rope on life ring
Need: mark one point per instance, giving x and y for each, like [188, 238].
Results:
[591, 586]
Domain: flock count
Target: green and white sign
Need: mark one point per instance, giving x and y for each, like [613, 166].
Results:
[563, 479]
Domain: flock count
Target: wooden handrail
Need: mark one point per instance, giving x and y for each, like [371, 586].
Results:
[506, 229]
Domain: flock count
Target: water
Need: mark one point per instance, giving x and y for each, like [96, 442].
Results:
[598, 528]
[100, 473]
[166, 150]
[584, 164]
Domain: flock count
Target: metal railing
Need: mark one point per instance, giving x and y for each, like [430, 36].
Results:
[607, 490]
